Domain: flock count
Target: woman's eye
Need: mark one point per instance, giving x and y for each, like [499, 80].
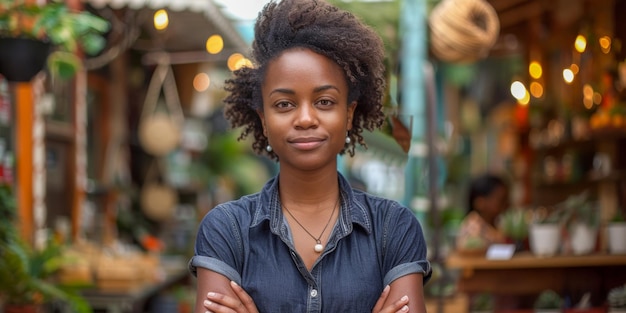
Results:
[283, 104]
[325, 102]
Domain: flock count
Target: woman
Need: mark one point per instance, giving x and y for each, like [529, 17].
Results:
[488, 197]
[309, 242]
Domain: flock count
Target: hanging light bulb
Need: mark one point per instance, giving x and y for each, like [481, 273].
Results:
[161, 19]
[535, 70]
[201, 82]
[518, 90]
[605, 44]
[568, 75]
[243, 62]
[232, 60]
[580, 44]
[215, 44]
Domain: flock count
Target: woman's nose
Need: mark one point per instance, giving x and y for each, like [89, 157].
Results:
[307, 116]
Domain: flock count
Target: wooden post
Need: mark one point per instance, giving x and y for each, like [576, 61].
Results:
[24, 113]
[78, 151]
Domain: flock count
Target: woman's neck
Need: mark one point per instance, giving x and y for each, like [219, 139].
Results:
[308, 192]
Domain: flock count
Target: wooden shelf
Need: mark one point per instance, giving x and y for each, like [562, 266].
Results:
[526, 274]
[526, 260]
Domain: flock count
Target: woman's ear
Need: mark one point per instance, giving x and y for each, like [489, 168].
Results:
[351, 109]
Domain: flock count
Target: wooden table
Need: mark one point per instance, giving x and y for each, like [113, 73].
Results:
[133, 299]
[526, 274]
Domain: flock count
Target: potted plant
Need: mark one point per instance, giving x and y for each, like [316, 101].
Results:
[544, 232]
[514, 225]
[482, 303]
[616, 230]
[583, 221]
[616, 299]
[31, 34]
[585, 306]
[26, 273]
[548, 301]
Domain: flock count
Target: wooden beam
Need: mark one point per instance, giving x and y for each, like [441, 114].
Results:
[522, 13]
[78, 152]
[503, 5]
[24, 112]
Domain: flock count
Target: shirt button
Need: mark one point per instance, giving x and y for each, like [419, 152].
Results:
[313, 293]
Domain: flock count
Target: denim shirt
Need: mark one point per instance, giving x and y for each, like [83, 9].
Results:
[374, 242]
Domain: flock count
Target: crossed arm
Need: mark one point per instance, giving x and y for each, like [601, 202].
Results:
[216, 293]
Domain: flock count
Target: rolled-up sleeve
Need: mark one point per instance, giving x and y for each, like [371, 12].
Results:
[218, 245]
[405, 246]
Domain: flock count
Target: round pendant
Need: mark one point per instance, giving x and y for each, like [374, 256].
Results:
[319, 247]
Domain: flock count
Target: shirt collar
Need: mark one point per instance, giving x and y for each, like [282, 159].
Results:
[269, 208]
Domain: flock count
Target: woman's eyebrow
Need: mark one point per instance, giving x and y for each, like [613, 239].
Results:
[324, 88]
[316, 89]
[282, 90]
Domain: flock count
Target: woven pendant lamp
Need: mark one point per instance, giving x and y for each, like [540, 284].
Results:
[463, 31]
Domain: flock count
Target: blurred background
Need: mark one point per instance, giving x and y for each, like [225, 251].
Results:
[113, 146]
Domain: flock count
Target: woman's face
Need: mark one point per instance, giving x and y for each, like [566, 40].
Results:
[494, 204]
[305, 111]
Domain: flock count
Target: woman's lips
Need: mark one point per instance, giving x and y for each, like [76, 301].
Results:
[306, 143]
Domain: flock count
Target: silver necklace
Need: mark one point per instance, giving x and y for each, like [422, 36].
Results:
[319, 247]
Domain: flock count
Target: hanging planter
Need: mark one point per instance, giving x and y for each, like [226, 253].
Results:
[29, 30]
[159, 131]
[22, 58]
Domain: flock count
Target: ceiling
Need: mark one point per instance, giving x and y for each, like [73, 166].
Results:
[524, 20]
[191, 23]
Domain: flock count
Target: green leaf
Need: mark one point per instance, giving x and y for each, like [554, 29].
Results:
[92, 43]
[63, 64]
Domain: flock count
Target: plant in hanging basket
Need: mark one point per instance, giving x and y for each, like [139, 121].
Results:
[57, 31]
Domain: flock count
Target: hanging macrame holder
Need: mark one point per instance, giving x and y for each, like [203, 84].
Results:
[463, 31]
[160, 132]
[158, 200]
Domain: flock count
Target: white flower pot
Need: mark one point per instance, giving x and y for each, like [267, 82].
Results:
[583, 238]
[544, 239]
[616, 310]
[617, 238]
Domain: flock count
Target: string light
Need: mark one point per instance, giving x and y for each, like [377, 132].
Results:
[580, 44]
[568, 75]
[215, 44]
[201, 82]
[232, 61]
[535, 70]
[605, 44]
[161, 19]
[518, 90]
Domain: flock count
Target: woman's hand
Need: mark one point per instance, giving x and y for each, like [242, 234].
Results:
[399, 306]
[219, 303]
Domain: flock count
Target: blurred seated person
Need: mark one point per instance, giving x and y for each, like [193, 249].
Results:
[488, 197]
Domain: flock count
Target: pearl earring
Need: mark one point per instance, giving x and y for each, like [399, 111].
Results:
[348, 140]
[269, 148]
